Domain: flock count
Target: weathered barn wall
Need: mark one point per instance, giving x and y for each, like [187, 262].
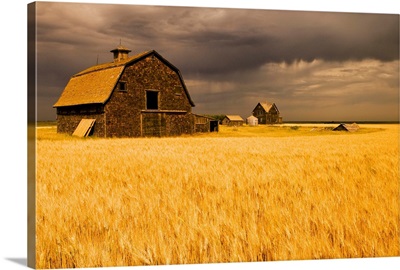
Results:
[178, 124]
[203, 127]
[68, 123]
[166, 124]
[126, 112]
[152, 74]
[122, 113]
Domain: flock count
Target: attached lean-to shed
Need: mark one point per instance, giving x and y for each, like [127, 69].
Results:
[347, 127]
[232, 120]
[205, 124]
[252, 120]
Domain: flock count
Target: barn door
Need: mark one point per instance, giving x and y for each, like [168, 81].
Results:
[213, 126]
[154, 124]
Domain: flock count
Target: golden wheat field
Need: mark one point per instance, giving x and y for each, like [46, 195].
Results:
[261, 194]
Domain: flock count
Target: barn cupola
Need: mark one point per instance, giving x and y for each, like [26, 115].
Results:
[120, 53]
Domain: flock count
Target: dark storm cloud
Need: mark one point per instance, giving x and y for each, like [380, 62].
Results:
[258, 36]
[235, 36]
[222, 53]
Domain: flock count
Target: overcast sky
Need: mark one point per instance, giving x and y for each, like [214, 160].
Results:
[327, 66]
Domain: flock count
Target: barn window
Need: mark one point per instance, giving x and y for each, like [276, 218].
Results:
[122, 86]
[152, 100]
[177, 90]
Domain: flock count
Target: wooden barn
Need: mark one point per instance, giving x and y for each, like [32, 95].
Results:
[267, 113]
[142, 95]
[347, 127]
[232, 120]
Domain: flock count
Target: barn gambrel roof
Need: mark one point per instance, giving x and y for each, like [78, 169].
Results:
[95, 85]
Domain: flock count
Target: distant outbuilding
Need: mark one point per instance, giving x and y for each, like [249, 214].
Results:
[205, 123]
[232, 120]
[267, 113]
[347, 127]
[252, 121]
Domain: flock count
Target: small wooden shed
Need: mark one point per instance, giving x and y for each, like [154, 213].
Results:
[252, 120]
[205, 123]
[347, 127]
[232, 120]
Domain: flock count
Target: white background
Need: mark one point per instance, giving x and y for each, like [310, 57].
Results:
[13, 191]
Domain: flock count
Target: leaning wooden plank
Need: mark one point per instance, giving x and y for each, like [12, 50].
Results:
[91, 124]
[84, 127]
[81, 128]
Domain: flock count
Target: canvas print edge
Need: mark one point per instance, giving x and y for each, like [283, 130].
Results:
[31, 146]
